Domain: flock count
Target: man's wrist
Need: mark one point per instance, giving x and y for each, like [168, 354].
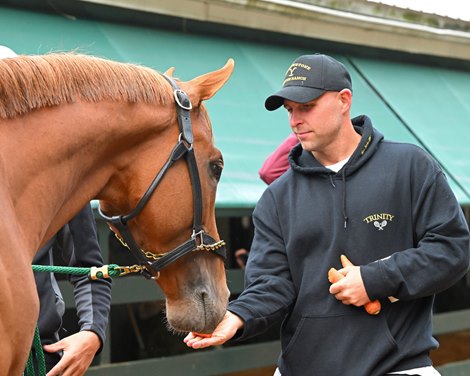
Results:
[238, 321]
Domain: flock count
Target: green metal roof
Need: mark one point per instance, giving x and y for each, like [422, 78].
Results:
[426, 106]
[433, 104]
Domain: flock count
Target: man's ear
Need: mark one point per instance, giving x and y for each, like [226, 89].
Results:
[346, 98]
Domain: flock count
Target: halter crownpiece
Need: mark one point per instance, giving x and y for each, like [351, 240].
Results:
[151, 263]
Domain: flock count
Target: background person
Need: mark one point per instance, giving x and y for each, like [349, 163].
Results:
[276, 163]
[78, 246]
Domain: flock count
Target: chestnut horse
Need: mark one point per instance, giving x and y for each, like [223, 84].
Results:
[75, 128]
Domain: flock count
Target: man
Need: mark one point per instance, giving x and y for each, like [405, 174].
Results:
[385, 205]
[78, 244]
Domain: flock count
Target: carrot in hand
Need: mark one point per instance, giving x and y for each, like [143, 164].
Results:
[334, 275]
[372, 308]
[345, 262]
[204, 335]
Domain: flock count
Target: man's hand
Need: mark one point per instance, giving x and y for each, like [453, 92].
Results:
[350, 289]
[79, 350]
[224, 331]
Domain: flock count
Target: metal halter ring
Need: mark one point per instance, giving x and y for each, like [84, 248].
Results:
[182, 139]
[176, 93]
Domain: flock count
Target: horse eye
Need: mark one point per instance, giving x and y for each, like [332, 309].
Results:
[216, 169]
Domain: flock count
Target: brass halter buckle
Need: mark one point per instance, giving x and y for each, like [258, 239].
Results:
[129, 269]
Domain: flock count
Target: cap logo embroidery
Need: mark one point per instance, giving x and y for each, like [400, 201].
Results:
[307, 78]
[379, 220]
[290, 73]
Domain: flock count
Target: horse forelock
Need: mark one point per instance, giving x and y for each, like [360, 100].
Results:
[33, 82]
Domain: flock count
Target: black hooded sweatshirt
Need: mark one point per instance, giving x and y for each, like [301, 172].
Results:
[390, 210]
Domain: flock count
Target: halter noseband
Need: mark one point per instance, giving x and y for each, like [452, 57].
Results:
[150, 263]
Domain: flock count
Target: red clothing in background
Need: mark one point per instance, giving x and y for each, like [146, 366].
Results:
[276, 163]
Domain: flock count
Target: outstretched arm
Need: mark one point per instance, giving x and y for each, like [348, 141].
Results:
[227, 328]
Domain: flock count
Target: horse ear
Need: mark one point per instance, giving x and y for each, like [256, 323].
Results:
[205, 86]
[169, 72]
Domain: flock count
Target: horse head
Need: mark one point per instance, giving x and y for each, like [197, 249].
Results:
[172, 224]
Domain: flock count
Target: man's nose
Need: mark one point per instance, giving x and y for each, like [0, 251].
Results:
[294, 119]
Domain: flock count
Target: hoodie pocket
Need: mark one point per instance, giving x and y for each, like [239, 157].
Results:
[338, 345]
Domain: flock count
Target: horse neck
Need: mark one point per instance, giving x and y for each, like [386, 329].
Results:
[57, 160]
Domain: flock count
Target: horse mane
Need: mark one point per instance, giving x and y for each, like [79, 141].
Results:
[37, 81]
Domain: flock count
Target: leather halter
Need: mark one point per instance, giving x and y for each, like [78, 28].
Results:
[150, 263]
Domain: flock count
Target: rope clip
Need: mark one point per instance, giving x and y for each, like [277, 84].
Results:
[99, 272]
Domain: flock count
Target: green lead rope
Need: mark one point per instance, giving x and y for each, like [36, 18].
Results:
[36, 356]
[105, 271]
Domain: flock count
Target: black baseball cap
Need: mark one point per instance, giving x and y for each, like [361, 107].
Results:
[308, 77]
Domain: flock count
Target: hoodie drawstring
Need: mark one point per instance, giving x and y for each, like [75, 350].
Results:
[343, 177]
[331, 180]
[345, 215]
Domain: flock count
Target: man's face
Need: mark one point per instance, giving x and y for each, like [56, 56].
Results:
[317, 123]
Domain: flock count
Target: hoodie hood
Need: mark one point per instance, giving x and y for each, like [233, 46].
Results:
[304, 162]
